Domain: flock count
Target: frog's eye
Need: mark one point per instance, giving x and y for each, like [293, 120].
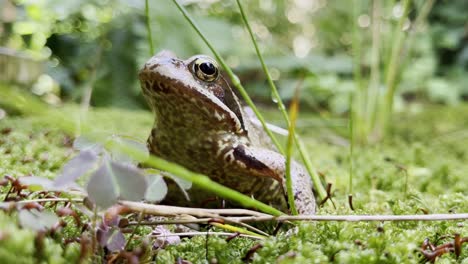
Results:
[205, 69]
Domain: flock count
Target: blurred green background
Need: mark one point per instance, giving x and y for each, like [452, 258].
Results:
[58, 49]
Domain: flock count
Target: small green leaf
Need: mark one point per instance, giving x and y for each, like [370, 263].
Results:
[157, 188]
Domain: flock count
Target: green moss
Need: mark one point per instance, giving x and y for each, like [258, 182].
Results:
[426, 156]
[18, 245]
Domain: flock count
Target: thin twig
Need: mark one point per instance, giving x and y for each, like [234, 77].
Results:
[208, 214]
[197, 221]
[355, 218]
[173, 222]
[166, 210]
[204, 234]
[321, 218]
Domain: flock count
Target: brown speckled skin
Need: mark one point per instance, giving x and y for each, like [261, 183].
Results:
[202, 126]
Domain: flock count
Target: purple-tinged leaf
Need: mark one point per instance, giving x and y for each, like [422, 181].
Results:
[116, 241]
[101, 187]
[102, 235]
[131, 182]
[164, 237]
[81, 164]
[157, 188]
[37, 221]
[36, 183]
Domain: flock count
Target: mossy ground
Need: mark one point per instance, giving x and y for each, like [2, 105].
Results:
[422, 167]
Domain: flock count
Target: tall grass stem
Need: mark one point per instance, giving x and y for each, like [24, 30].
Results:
[293, 111]
[148, 28]
[302, 150]
[394, 63]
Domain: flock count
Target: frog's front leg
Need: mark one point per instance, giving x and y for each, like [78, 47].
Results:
[267, 163]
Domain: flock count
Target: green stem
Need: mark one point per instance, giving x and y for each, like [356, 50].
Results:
[361, 90]
[302, 150]
[148, 28]
[351, 143]
[393, 67]
[272, 85]
[234, 79]
[289, 146]
[374, 82]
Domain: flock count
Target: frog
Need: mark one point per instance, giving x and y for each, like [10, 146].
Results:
[200, 123]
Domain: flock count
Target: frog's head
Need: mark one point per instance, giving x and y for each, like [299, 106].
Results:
[185, 88]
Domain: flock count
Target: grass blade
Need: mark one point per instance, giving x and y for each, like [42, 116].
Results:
[148, 28]
[392, 72]
[293, 110]
[302, 150]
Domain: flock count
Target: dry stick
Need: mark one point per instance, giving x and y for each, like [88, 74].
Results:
[355, 218]
[166, 210]
[204, 234]
[321, 218]
[198, 221]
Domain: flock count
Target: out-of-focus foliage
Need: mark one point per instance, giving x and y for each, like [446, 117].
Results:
[102, 44]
